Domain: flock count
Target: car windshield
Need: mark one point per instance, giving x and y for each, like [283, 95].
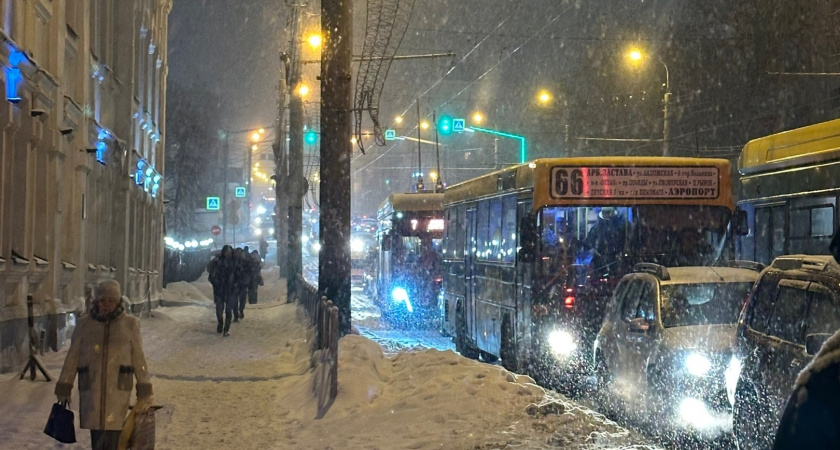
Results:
[702, 304]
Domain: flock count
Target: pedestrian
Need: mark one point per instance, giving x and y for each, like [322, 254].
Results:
[256, 277]
[107, 354]
[263, 248]
[226, 277]
[243, 281]
[211, 275]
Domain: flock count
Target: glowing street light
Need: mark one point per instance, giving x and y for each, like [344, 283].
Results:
[398, 120]
[255, 136]
[303, 90]
[314, 40]
[478, 118]
[424, 125]
[544, 97]
[254, 147]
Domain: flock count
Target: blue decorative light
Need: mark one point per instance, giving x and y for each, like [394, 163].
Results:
[147, 182]
[101, 147]
[103, 134]
[16, 57]
[13, 77]
[138, 174]
[155, 184]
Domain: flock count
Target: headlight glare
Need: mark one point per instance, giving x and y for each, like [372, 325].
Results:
[562, 342]
[697, 364]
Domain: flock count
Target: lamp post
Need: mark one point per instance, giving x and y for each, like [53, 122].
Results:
[637, 56]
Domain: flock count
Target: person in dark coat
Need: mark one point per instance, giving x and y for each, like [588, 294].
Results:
[811, 419]
[226, 281]
[256, 277]
[263, 248]
[243, 282]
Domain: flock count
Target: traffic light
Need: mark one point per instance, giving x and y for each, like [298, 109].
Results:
[311, 137]
[444, 125]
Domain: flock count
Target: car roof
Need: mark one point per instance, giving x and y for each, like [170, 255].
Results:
[703, 274]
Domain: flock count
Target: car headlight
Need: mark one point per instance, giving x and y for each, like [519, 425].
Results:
[316, 247]
[697, 364]
[400, 295]
[257, 220]
[271, 231]
[562, 342]
[730, 378]
[257, 232]
[357, 245]
[304, 238]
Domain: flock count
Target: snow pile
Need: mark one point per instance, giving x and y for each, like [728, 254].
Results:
[181, 292]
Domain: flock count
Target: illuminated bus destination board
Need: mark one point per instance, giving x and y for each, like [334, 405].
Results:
[649, 182]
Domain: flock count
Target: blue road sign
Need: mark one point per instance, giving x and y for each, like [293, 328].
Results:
[240, 191]
[458, 125]
[390, 135]
[213, 203]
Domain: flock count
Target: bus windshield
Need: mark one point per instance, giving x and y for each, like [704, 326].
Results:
[611, 239]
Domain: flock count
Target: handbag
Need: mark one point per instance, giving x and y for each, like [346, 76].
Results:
[61, 424]
[138, 431]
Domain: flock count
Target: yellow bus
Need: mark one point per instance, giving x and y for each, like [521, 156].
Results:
[790, 182]
[532, 252]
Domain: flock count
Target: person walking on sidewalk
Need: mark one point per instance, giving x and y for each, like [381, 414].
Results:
[106, 352]
[225, 281]
[243, 281]
[256, 277]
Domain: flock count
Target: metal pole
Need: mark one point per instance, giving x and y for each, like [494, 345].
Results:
[224, 205]
[419, 158]
[281, 176]
[496, 153]
[438, 182]
[666, 132]
[336, 153]
[248, 185]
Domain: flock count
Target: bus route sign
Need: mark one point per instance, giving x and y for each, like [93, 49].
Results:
[635, 182]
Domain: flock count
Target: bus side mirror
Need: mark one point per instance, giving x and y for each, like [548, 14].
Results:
[742, 225]
[528, 238]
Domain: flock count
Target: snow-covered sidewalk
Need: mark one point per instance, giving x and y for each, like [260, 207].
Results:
[253, 390]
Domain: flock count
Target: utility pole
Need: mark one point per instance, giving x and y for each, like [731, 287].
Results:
[295, 181]
[419, 160]
[336, 152]
[224, 205]
[281, 175]
[438, 181]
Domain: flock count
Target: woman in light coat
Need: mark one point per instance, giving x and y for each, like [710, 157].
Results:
[107, 355]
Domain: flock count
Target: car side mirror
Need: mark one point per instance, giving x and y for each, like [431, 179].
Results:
[834, 246]
[742, 225]
[814, 342]
[639, 325]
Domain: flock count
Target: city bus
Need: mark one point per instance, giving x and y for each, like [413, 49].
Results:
[789, 190]
[532, 252]
[409, 234]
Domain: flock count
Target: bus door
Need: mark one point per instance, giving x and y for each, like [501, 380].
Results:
[469, 274]
[527, 243]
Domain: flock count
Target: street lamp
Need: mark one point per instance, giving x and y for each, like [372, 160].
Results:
[478, 118]
[635, 56]
[544, 97]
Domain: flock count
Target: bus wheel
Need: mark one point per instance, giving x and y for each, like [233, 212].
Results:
[508, 348]
[461, 345]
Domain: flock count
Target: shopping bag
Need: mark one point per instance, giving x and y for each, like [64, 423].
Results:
[61, 424]
[143, 436]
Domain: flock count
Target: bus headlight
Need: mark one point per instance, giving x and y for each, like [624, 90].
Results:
[562, 342]
[356, 245]
[697, 364]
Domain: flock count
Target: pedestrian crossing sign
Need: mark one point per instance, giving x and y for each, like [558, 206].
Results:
[458, 125]
[240, 191]
[213, 203]
[390, 135]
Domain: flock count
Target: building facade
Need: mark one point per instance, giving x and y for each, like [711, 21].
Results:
[81, 159]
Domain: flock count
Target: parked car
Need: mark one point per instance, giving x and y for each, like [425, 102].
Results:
[666, 341]
[792, 311]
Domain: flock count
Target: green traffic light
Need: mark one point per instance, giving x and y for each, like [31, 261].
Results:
[445, 125]
[311, 137]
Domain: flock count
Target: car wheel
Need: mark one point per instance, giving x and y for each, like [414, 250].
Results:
[752, 426]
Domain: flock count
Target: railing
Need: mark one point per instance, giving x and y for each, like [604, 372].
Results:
[324, 317]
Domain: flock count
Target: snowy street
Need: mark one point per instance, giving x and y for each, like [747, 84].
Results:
[253, 391]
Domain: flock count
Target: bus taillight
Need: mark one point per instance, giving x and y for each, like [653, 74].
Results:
[569, 301]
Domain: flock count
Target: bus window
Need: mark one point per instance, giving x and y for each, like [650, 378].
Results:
[461, 236]
[508, 246]
[494, 235]
[482, 229]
